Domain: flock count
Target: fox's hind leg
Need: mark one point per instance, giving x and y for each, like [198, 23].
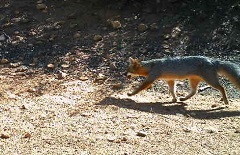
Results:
[194, 84]
[212, 80]
[171, 85]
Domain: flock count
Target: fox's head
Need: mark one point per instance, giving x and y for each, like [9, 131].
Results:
[135, 68]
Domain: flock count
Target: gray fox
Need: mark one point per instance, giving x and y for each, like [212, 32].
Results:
[193, 68]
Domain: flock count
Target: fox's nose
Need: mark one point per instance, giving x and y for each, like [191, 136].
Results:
[128, 75]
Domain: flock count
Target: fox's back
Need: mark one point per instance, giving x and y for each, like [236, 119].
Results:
[189, 65]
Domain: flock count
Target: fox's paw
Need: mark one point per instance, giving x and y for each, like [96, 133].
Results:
[174, 100]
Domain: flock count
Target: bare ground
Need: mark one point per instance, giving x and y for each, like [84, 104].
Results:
[76, 117]
[87, 111]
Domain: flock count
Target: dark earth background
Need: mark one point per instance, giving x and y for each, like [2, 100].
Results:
[39, 35]
[63, 85]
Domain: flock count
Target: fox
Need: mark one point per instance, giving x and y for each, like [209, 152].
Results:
[193, 68]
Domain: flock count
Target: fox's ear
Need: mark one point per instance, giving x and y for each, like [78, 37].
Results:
[133, 61]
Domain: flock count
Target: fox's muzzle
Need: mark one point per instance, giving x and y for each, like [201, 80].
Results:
[129, 76]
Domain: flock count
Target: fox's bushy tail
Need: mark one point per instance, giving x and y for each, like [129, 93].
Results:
[231, 71]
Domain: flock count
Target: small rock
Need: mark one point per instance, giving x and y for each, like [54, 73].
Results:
[211, 130]
[31, 90]
[86, 114]
[187, 130]
[12, 96]
[23, 107]
[61, 75]
[237, 131]
[73, 25]
[27, 135]
[117, 86]
[4, 61]
[83, 78]
[101, 77]
[112, 65]
[41, 6]
[39, 1]
[111, 138]
[166, 36]
[72, 16]
[165, 46]
[116, 24]
[22, 69]
[15, 65]
[97, 37]
[4, 136]
[124, 139]
[50, 66]
[214, 106]
[175, 32]
[142, 27]
[2, 37]
[132, 116]
[76, 35]
[141, 134]
[167, 51]
[154, 26]
[52, 37]
[65, 66]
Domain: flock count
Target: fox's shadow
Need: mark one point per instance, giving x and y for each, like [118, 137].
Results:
[168, 108]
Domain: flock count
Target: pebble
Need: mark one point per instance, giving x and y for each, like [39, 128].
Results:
[76, 35]
[165, 46]
[23, 107]
[41, 6]
[22, 69]
[117, 86]
[27, 135]
[97, 37]
[166, 36]
[65, 66]
[111, 139]
[211, 130]
[15, 65]
[154, 26]
[4, 136]
[101, 77]
[61, 75]
[116, 24]
[142, 27]
[50, 66]
[237, 131]
[85, 114]
[4, 61]
[187, 130]
[31, 90]
[113, 66]
[39, 1]
[175, 32]
[141, 134]
[214, 105]
[83, 78]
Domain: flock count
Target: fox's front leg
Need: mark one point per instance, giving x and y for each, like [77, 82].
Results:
[146, 84]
